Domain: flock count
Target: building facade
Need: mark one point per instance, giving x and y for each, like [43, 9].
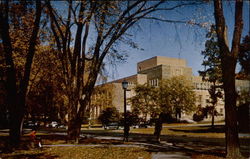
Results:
[158, 68]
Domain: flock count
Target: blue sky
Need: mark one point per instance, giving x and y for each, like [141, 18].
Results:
[174, 40]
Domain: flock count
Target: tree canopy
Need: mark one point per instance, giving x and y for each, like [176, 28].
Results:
[244, 57]
[176, 95]
[109, 115]
[173, 96]
[212, 71]
[144, 101]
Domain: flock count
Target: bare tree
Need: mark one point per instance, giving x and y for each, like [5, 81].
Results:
[228, 62]
[96, 28]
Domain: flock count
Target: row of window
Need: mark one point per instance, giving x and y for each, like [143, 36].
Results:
[202, 86]
[154, 82]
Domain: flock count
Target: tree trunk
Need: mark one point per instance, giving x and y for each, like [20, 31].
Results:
[74, 130]
[11, 86]
[75, 119]
[232, 138]
[16, 120]
[228, 62]
[212, 124]
[73, 123]
[158, 127]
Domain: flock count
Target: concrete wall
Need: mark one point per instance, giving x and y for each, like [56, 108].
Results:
[153, 73]
[146, 64]
[160, 60]
[118, 97]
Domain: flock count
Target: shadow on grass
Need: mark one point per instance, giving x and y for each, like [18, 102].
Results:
[100, 141]
[29, 156]
[203, 129]
[134, 137]
[155, 148]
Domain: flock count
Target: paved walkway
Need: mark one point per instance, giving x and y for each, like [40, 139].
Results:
[180, 144]
[169, 145]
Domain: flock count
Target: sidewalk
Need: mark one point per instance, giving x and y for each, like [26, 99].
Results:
[180, 144]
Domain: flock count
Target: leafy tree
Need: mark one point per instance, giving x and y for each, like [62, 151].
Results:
[101, 97]
[244, 97]
[14, 19]
[212, 71]
[176, 96]
[173, 96]
[133, 118]
[46, 91]
[199, 114]
[144, 101]
[244, 57]
[109, 115]
[229, 56]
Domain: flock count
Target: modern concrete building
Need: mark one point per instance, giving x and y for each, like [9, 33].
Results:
[158, 68]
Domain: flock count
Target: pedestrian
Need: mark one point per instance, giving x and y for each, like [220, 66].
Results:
[158, 127]
[126, 131]
[33, 139]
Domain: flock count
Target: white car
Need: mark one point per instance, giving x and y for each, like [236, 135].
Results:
[53, 124]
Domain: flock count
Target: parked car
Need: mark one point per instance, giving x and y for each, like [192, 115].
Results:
[144, 125]
[135, 126]
[53, 124]
[187, 121]
[112, 126]
[29, 124]
[61, 126]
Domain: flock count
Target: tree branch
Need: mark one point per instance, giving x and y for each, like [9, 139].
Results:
[31, 49]
[177, 21]
[221, 27]
[237, 28]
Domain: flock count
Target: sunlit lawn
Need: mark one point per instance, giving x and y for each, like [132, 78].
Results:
[173, 130]
[180, 130]
[197, 131]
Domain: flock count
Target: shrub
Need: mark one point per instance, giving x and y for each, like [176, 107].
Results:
[198, 118]
[109, 115]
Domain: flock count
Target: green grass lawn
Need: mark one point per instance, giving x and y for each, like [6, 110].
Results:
[194, 131]
[179, 129]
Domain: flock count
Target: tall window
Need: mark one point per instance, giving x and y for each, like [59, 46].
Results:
[154, 82]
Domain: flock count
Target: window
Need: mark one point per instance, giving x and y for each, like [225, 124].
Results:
[151, 82]
[200, 98]
[154, 82]
[221, 110]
